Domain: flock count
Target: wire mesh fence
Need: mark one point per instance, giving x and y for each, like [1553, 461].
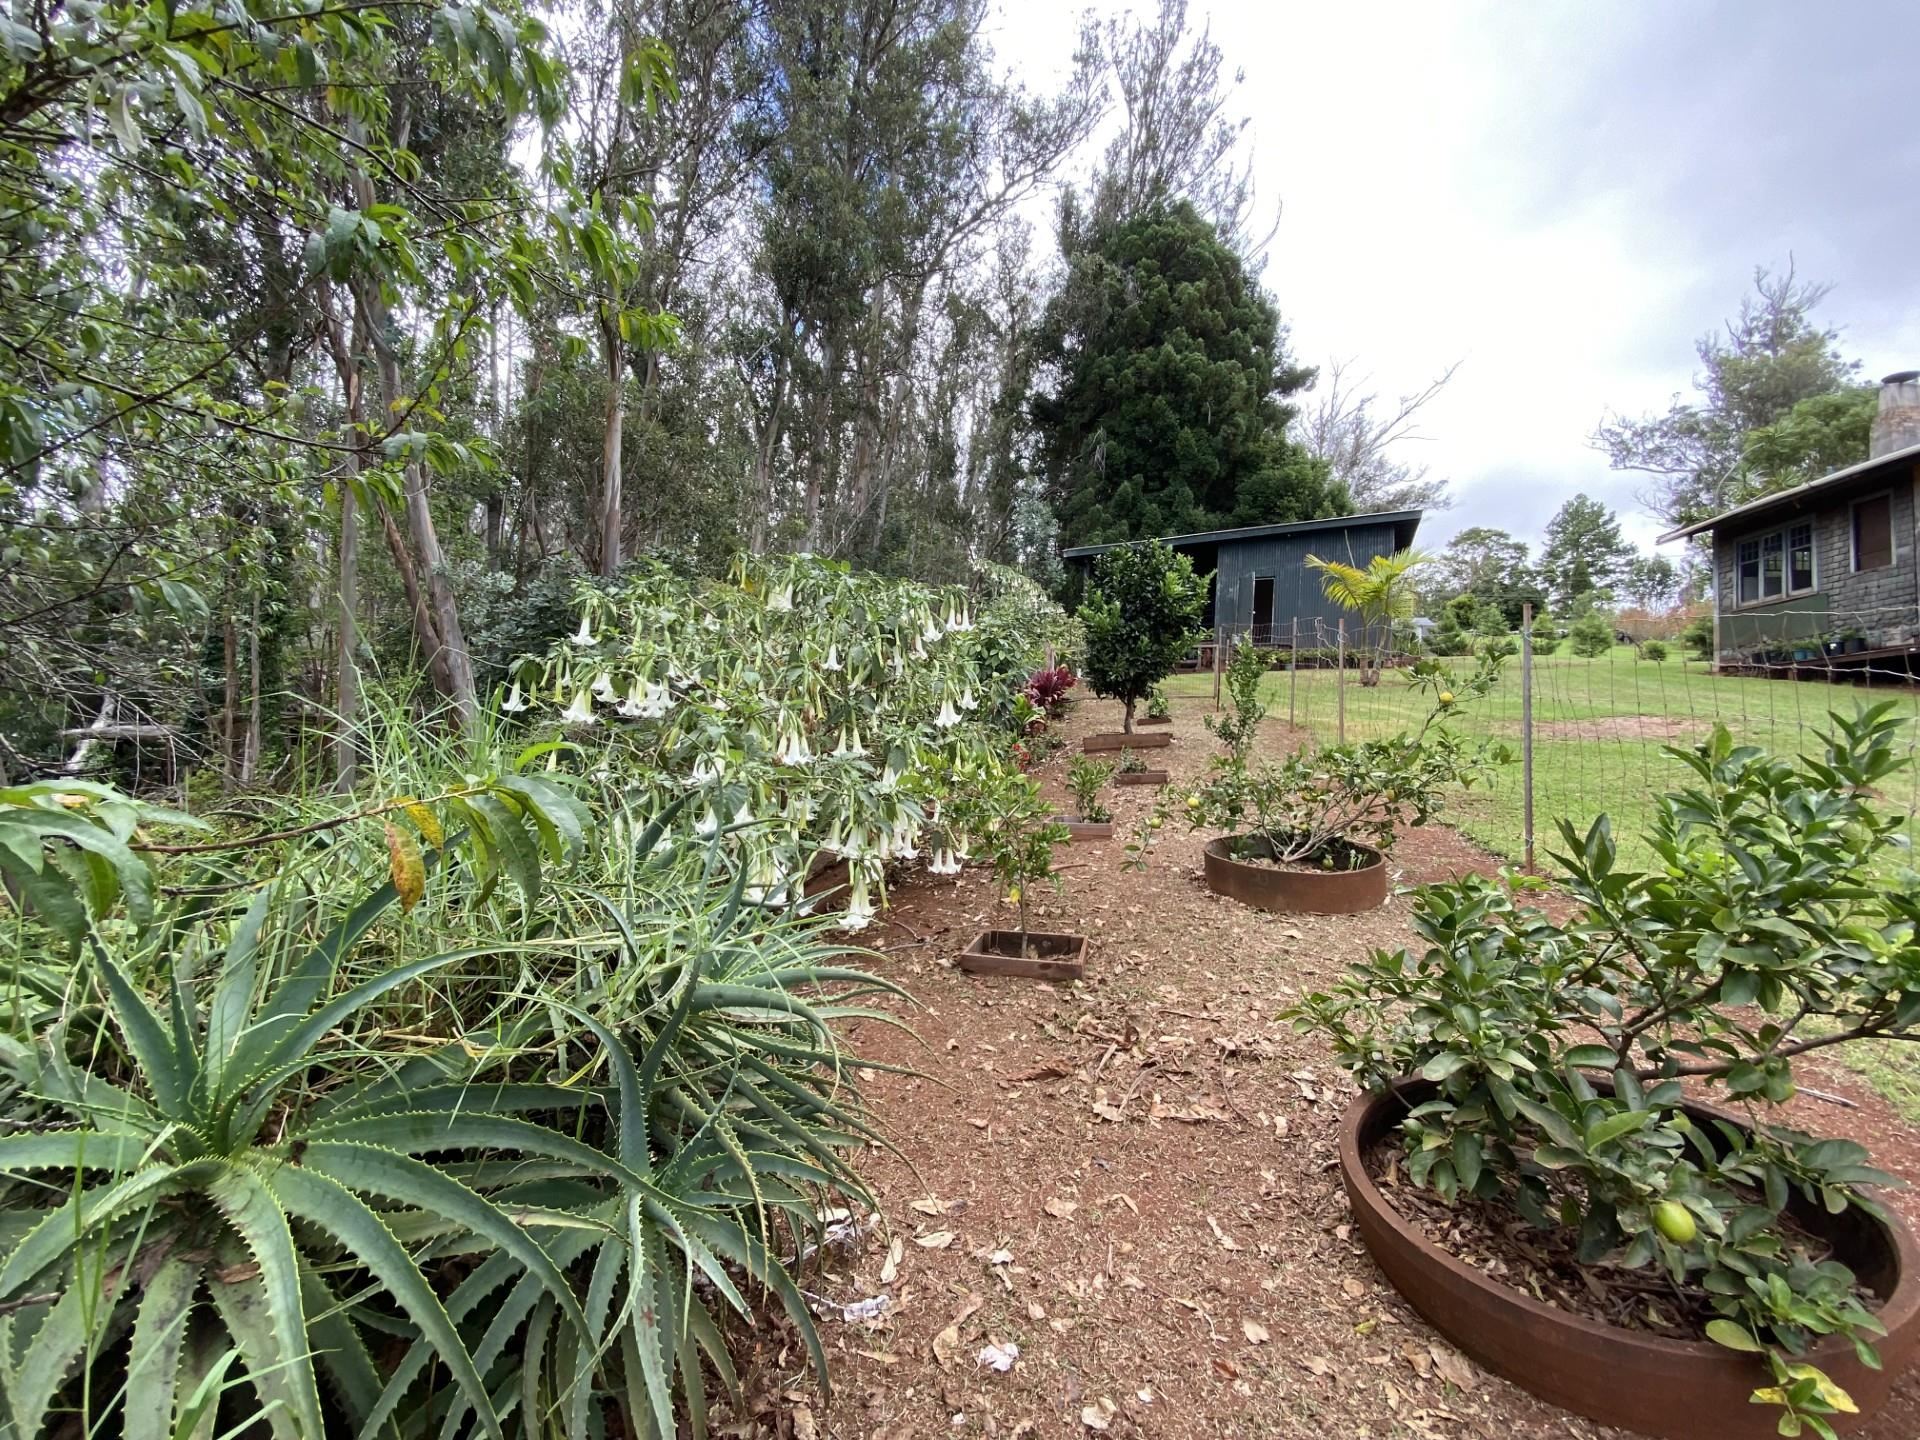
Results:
[1601, 728]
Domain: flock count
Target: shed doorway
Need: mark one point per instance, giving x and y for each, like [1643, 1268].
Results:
[1263, 610]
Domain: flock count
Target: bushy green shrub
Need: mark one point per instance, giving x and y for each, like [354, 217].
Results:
[1780, 915]
[1238, 730]
[1654, 650]
[1141, 615]
[1698, 637]
[1591, 636]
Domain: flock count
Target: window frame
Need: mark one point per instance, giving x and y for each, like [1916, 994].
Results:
[1758, 540]
[1853, 533]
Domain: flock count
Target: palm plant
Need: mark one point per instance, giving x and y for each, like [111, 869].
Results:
[1382, 595]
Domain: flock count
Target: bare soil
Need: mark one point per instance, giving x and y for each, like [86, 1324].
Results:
[1621, 727]
[1132, 1179]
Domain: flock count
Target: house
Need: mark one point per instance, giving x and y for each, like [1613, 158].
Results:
[1262, 585]
[1826, 571]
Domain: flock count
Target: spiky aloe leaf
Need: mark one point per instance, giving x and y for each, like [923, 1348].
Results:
[339, 1347]
[251, 1208]
[159, 1339]
[68, 1225]
[167, 1074]
[69, 1329]
[232, 998]
[371, 1169]
[332, 1207]
[655, 1305]
[88, 1149]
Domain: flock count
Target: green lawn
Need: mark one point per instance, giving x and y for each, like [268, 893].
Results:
[1600, 728]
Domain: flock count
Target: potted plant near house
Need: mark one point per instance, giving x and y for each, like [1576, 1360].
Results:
[1310, 832]
[1536, 1095]
[1014, 830]
[1091, 820]
[1159, 710]
[1134, 771]
[1141, 616]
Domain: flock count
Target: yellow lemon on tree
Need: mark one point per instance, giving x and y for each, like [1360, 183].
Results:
[1013, 896]
[1675, 1221]
[1446, 697]
[1155, 823]
[1193, 802]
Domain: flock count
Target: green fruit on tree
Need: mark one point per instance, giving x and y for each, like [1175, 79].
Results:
[1674, 1221]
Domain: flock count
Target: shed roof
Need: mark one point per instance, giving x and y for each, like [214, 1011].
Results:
[1792, 499]
[1404, 523]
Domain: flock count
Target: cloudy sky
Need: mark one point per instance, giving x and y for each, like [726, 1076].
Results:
[1562, 196]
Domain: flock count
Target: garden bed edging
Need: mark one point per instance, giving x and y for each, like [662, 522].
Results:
[1295, 891]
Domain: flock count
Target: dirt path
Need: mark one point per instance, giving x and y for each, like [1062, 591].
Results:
[1133, 1179]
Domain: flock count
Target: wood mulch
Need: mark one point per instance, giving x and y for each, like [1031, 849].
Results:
[1131, 1181]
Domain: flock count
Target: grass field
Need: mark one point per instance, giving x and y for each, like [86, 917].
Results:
[1601, 728]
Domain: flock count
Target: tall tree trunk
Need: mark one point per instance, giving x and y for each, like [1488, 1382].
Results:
[817, 461]
[346, 748]
[230, 702]
[613, 355]
[250, 747]
[445, 643]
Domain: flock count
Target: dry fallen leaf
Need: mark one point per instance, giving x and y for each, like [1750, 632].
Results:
[895, 1253]
[1453, 1367]
[803, 1428]
[929, 1206]
[1035, 1310]
[1227, 1242]
[1255, 1332]
[1061, 1209]
[1355, 1289]
[1098, 1415]
[938, 1240]
[1317, 1365]
[946, 1345]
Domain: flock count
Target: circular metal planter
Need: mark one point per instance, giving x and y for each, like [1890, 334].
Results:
[1672, 1389]
[1303, 892]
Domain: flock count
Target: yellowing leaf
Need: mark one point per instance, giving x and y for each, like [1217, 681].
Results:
[426, 822]
[405, 865]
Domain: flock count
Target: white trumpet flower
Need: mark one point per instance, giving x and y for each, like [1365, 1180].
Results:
[584, 635]
[793, 748]
[513, 704]
[833, 657]
[780, 599]
[948, 716]
[707, 768]
[707, 824]
[943, 863]
[657, 701]
[859, 912]
[967, 702]
[853, 749]
[602, 686]
[579, 711]
[890, 776]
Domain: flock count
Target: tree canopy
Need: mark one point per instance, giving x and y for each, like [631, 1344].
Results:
[1773, 357]
[1583, 552]
[1164, 380]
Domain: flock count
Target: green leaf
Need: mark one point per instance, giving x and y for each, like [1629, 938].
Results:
[329, 1205]
[244, 1199]
[1733, 1336]
[1615, 1127]
[1590, 1057]
[153, 1362]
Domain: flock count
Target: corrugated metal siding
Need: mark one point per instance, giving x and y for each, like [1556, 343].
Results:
[1296, 587]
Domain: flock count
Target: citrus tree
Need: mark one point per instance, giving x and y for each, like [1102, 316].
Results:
[1141, 616]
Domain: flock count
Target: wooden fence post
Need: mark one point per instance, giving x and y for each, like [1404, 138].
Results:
[1293, 672]
[1526, 730]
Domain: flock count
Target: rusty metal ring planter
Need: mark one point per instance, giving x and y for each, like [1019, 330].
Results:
[1299, 892]
[1672, 1389]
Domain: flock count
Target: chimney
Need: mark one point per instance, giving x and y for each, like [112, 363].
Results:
[1897, 425]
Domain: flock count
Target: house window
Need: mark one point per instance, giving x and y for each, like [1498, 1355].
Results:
[1873, 532]
[1775, 565]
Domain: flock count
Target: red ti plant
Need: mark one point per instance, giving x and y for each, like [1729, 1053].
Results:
[1048, 688]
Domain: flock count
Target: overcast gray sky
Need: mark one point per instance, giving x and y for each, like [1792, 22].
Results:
[1563, 196]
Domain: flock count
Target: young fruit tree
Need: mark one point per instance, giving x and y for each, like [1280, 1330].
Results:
[1142, 614]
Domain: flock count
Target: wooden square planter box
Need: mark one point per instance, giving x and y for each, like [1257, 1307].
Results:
[1086, 829]
[1141, 777]
[1050, 955]
[1151, 720]
[1120, 740]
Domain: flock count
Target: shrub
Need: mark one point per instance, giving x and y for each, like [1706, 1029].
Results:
[1086, 778]
[1591, 636]
[1307, 808]
[1004, 817]
[1770, 925]
[1698, 637]
[1158, 707]
[1142, 615]
[1048, 688]
[1654, 650]
[1238, 731]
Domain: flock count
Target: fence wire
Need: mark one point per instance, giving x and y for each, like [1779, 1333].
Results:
[1602, 727]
